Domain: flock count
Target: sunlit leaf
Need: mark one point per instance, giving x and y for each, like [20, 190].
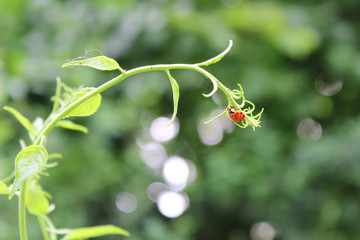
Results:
[218, 57]
[100, 62]
[88, 107]
[72, 126]
[23, 120]
[54, 156]
[96, 231]
[3, 188]
[28, 162]
[36, 201]
[176, 94]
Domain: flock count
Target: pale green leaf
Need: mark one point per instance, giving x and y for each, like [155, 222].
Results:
[57, 96]
[86, 108]
[72, 126]
[100, 62]
[3, 188]
[176, 94]
[96, 231]
[54, 156]
[28, 162]
[36, 201]
[23, 120]
[218, 57]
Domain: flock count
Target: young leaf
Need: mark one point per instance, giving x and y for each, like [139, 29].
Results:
[96, 231]
[72, 126]
[28, 162]
[100, 62]
[57, 96]
[217, 58]
[176, 93]
[23, 120]
[87, 108]
[54, 156]
[36, 201]
[3, 188]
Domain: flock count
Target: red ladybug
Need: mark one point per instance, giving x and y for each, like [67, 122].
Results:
[236, 115]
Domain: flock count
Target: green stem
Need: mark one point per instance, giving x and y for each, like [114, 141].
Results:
[51, 227]
[161, 67]
[22, 212]
[42, 224]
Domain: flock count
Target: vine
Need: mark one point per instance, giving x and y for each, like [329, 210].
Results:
[33, 159]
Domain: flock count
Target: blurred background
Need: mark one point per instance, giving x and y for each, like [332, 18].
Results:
[296, 177]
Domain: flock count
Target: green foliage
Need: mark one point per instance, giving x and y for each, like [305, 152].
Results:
[68, 102]
[102, 63]
[86, 108]
[97, 231]
[3, 188]
[29, 162]
[216, 58]
[72, 126]
[23, 120]
[176, 94]
[36, 199]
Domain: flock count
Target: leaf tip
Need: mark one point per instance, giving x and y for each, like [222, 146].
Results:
[11, 194]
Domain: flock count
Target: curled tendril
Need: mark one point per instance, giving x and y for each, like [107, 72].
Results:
[237, 94]
[246, 106]
[233, 96]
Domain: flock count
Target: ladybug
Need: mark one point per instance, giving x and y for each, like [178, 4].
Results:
[236, 115]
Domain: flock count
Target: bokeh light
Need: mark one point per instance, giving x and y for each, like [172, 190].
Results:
[176, 172]
[155, 189]
[192, 171]
[126, 202]
[210, 134]
[309, 130]
[162, 132]
[153, 154]
[172, 204]
[262, 231]
[328, 89]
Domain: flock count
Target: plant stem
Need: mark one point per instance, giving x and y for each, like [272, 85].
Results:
[43, 228]
[161, 67]
[22, 212]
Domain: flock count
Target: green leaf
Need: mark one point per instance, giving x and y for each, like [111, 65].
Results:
[54, 156]
[28, 162]
[23, 120]
[36, 201]
[96, 231]
[176, 94]
[100, 62]
[88, 107]
[57, 96]
[3, 188]
[217, 58]
[72, 126]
